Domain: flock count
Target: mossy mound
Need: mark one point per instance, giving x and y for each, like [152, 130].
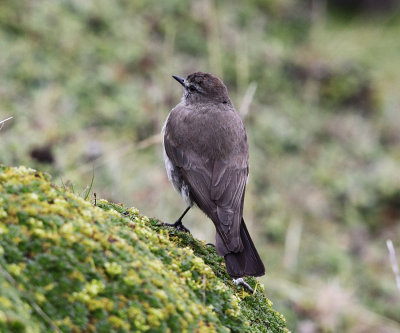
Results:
[67, 265]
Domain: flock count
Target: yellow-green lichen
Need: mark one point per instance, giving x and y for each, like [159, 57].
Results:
[106, 268]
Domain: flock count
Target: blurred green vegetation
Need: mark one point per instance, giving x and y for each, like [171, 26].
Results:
[88, 83]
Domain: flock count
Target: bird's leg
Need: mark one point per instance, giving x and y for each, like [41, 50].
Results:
[178, 224]
[241, 282]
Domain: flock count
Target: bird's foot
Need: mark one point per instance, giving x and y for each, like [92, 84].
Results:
[178, 226]
[241, 282]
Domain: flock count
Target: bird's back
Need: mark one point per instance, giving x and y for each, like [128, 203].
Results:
[221, 126]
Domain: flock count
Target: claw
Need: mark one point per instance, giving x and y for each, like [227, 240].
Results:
[241, 282]
[178, 226]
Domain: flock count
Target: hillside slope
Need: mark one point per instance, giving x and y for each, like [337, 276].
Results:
[69, 266]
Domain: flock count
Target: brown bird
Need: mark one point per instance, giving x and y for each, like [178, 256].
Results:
[206, 156]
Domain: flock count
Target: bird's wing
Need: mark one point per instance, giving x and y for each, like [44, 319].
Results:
[218, 189]
[227, 191]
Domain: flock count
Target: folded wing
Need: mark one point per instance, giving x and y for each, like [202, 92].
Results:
[217, 188]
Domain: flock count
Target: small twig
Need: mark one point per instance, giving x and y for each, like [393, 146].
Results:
[95, 198]
[292, 244]
[62, 183]
[116, 153]
[2, 122]
[150, 141]
[89, 188]
[393, 261]
[85, 190]
[247, 99]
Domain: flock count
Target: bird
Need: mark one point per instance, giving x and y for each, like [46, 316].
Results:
[206, 157]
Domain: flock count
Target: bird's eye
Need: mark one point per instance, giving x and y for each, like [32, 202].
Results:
[192, 88]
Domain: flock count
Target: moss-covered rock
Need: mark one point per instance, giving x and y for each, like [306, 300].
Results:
[67, 265]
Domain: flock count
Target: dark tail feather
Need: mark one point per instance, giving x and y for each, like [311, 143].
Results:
[248, 261]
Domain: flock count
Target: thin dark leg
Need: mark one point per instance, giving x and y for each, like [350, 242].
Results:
[183, 214]
[178, 224]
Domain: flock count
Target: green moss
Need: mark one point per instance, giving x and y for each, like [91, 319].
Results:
[68, 264]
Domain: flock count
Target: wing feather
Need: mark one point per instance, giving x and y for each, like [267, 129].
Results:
[217, 188]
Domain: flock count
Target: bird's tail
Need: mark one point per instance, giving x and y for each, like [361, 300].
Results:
[246, 262]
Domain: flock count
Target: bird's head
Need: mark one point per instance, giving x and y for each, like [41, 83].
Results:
[202, 87]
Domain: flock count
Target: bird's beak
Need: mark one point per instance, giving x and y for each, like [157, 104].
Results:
[179, 79]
